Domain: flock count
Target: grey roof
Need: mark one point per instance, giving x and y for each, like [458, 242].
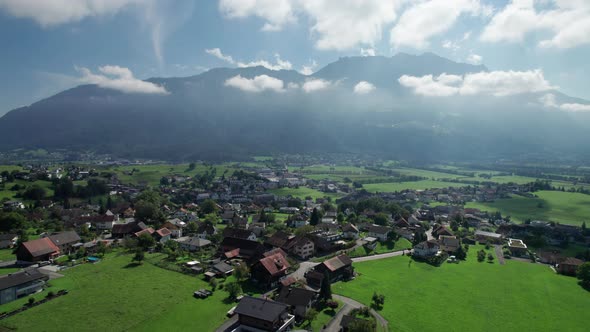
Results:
[295, 296]
[64, 238]
[197, 242]
[262, 309]
[19, 278]
[488, 234]
[223, 267]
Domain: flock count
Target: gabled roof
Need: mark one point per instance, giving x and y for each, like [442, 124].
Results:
[572, 261]
[296, 296]
[262, 309]
[148, 230]
[162, 232]
[278, 239]
[338, 262]
[237, 233]
[19, 278]
[379, 229]
[196, 242]
[223, 267]
[170, 226]
[40, 247]
[350, 228]
[64, 238]
[275, 264]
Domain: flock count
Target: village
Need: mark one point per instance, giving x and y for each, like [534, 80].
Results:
[290, 249]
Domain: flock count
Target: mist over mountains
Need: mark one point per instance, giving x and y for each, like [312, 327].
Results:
[229, 113]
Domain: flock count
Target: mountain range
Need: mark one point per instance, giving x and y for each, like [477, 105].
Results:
[205, 117]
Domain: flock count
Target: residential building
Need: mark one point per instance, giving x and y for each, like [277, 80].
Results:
[270, 269]
[337, 268]
[517, 247]
[379, 232]
[258, 314]
[300, 300]
[426, 249]
[42, 249]
[19, 284]
[569, 266]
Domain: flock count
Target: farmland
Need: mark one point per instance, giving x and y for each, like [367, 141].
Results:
[302, 192]
[415, 185]
[471, 296]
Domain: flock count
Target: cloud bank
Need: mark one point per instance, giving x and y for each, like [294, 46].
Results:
[120, 79]
[257, 84]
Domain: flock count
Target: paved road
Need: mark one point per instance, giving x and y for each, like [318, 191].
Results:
[349, 304]
[499, 254]
[381, 256]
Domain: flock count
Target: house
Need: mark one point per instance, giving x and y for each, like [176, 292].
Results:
[405, 233]
[449, 244]
[302, 247]
[426, 249]
[175, 230]
[193, 243]
[8, 240]
[239, 233]
[222, 269]
[205, 230]
[517, 247]
[442, 230]
[379, 232]
[278, 239]
[149, 231]
[162, 235]
[258, 228]
[100, 222]
[569, 266]
[259, 314]
[19, 284]
[336, 268]
[350, 231]
[42, 249]
[270, 269]
[300, 300]
[246, 249]
[65, 241]
[401, 223]
[127, 229]
[491, 237]
[550, 257]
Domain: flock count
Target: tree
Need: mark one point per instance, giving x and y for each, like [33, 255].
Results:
[490, 258]
[381, 219]
[583, 275]
[304, 230]
[419, 236]
[481, 256]
[213, 283]
[310, 316]
[326, 289]
[102, 248]
[233, 289]
[460, 253]
[211, 219]
[145, 241]
[31, 301]
[361, 325]
[139, 256]
[242, 272]
[11, 220]
[208, 206]
[315, 217]
[191, 227]
[378, 300]
[34, 193]
[148, 211]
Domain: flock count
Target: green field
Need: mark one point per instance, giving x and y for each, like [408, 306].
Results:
[151, 174]
[414, 185]
[470, 296]
[382, 248]
[303, 192]
[557, 206]
[111, 296]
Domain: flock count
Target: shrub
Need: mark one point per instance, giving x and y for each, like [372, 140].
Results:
[50, 294]
[31, 300]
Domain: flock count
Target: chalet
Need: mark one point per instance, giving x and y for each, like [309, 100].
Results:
[19, 284]
[65, 241]
[42, 249]
[337, 268]
[270, 269]
[349, 231]
[246, 249]
[379, 232]
[314, 279]
[442, 230]
[301, 246]
[300, 300]
[162, 235]
[175, 231]
[426, 249]
[239, 233]
[258, 314]
[449, 244]
[550, 257]
[569, 266]
[405, 233]
[517, 247]
[491, 237]
[193, 243]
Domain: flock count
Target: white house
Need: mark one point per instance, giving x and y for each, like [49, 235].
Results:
[379, 232]
[427, 248]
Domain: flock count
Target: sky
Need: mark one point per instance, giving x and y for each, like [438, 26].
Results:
[52, 45]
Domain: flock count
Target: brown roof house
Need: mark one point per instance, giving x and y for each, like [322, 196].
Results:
[336, 268]
[42, 249]
[569, 266]
[271, 269]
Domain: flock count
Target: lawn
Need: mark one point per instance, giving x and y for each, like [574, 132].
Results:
[7, 255]
[470, 296]
[324, 317]
[414, 185]
[111, 296]
[562, 207]
[382, 248]
[151, 174]
[303, 192]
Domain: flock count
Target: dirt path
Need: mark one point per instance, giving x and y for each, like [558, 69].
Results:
[499, 254]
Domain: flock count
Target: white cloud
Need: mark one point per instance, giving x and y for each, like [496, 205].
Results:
[56, 12]
[495, 83]
[292, 86]
[315, 85]
[568, 21]
[119, 78]
[426, 19]
[256, 84]
[308, 70]
[474, 59]
[346, 24]
[363, 88]
[279, 65]
[549, 101]
[276, 13]
[367, 52]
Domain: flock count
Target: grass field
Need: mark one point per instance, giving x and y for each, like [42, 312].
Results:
[7, 255]
[111, 296]
[470, 296]
[382, 248]
[414, 185]
[303, 192]
[151, 174]
[562, 207]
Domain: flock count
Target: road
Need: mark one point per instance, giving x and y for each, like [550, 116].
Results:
[349, 304]
[499, 254]
[381, 256]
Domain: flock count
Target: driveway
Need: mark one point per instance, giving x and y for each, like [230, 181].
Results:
[381, 256]
[499, 254]
[349, 304]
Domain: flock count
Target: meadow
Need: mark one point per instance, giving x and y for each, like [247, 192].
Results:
[151, 174]
[303, 192]
[414, 185]
[470, 296]
[563, 207]
[113, 295]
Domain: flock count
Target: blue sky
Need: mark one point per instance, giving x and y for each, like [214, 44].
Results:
[52, 45]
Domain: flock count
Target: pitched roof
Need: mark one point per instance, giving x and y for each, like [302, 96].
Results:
[163, 232]
[572, 261]
[379, 229]
[259, 308]
[275, 264]
[237, 233]
[170, 226]
[278, 239]
[296, 296]
[64, 238]
[40, 247]
[350, 228]
[149, 231]
[19, 278]
[338, 262]
[223, 267]
[196, 242]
